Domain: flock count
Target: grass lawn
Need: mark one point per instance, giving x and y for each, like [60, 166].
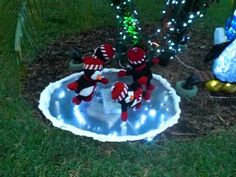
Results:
[32, 148]
[29, 147]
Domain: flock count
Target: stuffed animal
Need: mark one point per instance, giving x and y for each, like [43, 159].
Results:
[86, 84]
[104, 52]
[127, 96]
[140, 70]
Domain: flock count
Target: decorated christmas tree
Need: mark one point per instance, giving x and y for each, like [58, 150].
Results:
[176, 20]
[171, 34]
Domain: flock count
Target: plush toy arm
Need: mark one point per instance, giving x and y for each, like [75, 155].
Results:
[152, 62]
[73, 85]
[104, 81]
[155, 60]
[122, 73]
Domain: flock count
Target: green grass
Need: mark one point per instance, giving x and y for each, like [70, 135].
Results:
[215, 16]
[32, 148]
[29, 147]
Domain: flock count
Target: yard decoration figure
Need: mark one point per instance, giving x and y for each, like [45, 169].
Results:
[86, 84]
[127, 96]
[140, 69]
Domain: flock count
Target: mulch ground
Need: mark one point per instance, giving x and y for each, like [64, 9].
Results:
[200, 115]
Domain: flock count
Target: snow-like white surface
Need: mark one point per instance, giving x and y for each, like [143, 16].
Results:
[44, 105]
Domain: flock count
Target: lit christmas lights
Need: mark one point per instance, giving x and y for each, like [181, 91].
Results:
[129, 28]
[177, 18]
[172, 34]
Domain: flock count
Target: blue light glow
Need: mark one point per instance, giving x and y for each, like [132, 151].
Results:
[78, 116]
[152, 112]
[61, 95]
[123, 128]
[143, 119]
[123, 124]
[162, 120]
[114, 134]
[137, 125]
[60, 117]
[57, 107]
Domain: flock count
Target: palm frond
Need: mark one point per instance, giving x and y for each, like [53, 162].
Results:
[8, 17]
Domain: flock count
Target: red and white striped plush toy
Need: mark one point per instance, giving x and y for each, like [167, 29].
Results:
[86, 84]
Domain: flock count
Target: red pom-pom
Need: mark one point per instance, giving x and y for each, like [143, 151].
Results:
[72, 86]
[124, 116]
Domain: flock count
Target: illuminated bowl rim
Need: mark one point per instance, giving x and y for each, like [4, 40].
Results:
[44, 102]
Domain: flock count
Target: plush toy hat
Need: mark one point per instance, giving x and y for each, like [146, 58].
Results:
[91, 63]
[136, 56]
[104, 52]
[119, 91]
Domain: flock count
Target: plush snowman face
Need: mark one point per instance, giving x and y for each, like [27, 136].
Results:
[97, 75]
[130, 97]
